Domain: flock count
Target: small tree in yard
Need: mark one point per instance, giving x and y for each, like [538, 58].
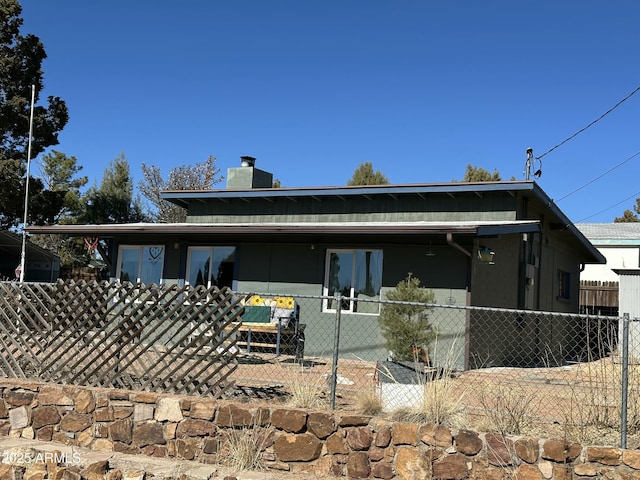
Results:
[407, 328]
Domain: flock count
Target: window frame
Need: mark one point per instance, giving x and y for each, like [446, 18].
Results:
[352, 304]
[211, 249]
[564, 285]
[141, 249]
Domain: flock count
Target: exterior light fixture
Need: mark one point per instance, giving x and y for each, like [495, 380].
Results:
[485, 255]
[430, 252]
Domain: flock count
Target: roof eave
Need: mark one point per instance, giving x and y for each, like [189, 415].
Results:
[184, 197]
[598, 258]
[364, 228]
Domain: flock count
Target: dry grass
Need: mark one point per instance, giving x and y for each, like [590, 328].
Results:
[441, 404]
[509, 409]
[307, 391]
[578, 402]
[243, 448]
[368, 402]
[442, 401]
[595, 399]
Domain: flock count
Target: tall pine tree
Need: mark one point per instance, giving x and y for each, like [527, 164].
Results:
[21, 60]
[113, 201]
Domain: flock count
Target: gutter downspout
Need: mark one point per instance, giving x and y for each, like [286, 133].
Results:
[467, 326]
[456, 245]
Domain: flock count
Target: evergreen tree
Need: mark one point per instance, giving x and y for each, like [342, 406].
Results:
[479, 174]
[364, 175]
[21, 60]
[407, 328]
[112, 201]
[60, 174]
[628, 215]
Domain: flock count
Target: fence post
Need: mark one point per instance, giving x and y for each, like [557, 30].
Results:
[625, 380]
[336, 343]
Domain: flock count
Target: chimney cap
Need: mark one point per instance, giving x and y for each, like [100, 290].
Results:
[247, 161]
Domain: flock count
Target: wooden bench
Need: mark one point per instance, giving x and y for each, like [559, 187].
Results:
[271, 337]
[264, 330]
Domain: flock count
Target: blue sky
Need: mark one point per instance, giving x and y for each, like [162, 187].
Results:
[312, 89]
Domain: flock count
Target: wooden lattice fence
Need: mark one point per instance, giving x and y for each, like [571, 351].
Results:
[155, 338]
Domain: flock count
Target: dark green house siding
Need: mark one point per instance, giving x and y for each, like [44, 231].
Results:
[393, 208]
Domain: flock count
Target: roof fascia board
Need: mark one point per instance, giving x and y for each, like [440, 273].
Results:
[487, 231]
[417, 189]
[628, 242]
[568, 224]
[363, 228]
[626, 271]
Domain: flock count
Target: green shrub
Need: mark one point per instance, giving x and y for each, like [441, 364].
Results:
[406, 327]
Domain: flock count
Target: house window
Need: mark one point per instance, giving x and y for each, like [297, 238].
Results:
[140, 264]
[564, 285]
[356, 274]
[210, 266]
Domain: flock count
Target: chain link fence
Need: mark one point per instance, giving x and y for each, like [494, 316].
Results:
[512, 371]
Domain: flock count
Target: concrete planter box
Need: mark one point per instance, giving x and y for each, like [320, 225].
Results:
[401, 384]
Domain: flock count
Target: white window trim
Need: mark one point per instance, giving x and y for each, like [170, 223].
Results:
[190, 251]
[325, 286]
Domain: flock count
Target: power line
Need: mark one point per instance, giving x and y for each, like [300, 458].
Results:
[591, 124]
[599, 176]
[635, 195]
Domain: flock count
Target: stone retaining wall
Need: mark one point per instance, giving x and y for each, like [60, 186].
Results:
[321, 442]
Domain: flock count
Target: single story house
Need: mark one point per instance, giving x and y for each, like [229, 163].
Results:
[493, 244]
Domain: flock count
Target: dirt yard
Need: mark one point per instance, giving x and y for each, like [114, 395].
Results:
[580, 402]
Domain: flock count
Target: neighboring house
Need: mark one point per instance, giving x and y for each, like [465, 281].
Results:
[619, 243]
[41, 265]
[495, 244]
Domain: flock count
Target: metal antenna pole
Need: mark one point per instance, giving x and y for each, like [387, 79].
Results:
[528, 164]
[23, 256]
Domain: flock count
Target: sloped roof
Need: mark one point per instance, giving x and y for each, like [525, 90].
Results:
[525, 188]
[626, 233]
[528, 189]
[184, 197]
[11, 245]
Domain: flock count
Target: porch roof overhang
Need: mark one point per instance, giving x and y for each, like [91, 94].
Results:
[469, 228]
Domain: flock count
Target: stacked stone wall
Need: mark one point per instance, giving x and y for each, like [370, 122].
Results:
[319, 442]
